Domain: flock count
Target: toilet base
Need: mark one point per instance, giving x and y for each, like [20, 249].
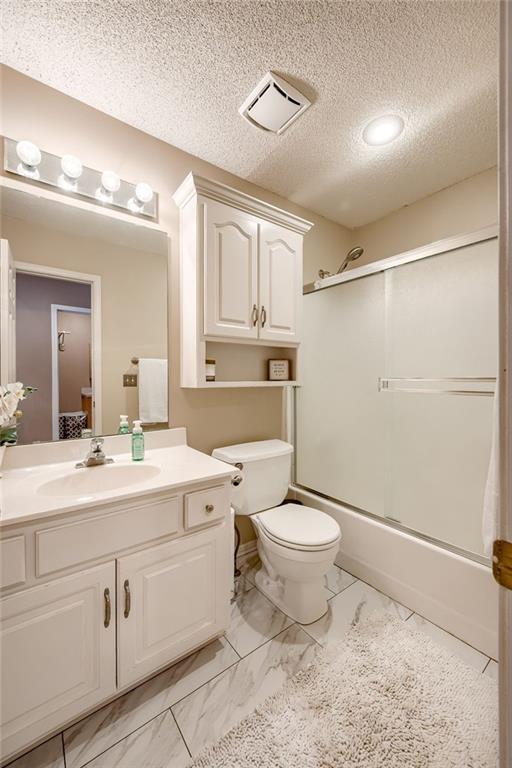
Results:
[304, 602]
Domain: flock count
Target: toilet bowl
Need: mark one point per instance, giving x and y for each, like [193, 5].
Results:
[297, 544]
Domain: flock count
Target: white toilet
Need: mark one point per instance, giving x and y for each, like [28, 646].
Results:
[297, 544]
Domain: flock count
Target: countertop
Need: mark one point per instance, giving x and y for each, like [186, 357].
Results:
[178, 465]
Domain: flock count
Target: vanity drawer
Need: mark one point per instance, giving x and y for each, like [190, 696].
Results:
[85, 540]
[203, 507]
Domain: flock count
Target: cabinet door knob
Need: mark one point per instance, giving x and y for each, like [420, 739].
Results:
[263, 316]
[107, 607]
[127, 598]
[209, 508]
[254, 315]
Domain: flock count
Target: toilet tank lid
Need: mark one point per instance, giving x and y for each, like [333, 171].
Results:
[244, 452]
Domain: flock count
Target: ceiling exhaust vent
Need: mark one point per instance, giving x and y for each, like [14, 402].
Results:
[274, 104]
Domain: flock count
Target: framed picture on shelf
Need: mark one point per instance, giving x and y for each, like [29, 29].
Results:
[279, 370]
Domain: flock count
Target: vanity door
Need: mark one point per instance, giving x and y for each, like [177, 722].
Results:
[280, 283]
[57, 653]
[172, 597]
[231, 272]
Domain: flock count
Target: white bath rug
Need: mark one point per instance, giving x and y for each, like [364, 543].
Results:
[385, 697]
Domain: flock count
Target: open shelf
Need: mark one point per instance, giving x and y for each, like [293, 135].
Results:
[239, 365]
[236, 384]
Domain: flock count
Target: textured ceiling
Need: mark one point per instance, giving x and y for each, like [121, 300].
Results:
[179, 70]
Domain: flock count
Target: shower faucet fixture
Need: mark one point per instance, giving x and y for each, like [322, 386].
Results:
[352, 255]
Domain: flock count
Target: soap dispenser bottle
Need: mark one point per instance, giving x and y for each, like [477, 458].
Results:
[124, 427]
[137, 442]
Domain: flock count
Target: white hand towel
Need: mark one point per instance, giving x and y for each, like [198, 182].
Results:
[153, 392]
[492, 486]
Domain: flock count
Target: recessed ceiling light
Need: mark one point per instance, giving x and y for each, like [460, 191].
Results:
[383, 130]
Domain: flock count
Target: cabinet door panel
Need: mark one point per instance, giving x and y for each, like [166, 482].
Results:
[231, 271]
[178, 595]
[280, 283]
[58, 658]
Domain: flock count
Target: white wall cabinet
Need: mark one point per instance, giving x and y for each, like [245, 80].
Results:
[241, 275]
[280, 283]
[58, 653]
[231, 272]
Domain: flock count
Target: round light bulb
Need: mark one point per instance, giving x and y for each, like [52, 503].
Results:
[28, 153]
[383, 130]
[71, 166]
[110, 181]
[143, 192]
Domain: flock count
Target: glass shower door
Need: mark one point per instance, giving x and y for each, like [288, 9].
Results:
[340, 420]
[441, 364]
[394, 415]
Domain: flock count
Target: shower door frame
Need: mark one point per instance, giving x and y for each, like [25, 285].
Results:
[505, 374]
[436, 248]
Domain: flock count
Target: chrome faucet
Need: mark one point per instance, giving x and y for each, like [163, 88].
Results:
[95, 457]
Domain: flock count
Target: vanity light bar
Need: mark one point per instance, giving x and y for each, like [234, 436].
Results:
[24, 158]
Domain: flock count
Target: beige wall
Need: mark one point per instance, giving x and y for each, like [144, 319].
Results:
[60, 124]
[133, 301]
[464, 207]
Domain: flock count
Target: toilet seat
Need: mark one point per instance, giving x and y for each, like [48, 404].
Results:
[296, 526]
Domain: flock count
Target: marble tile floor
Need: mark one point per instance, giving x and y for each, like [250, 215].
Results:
[168, 719]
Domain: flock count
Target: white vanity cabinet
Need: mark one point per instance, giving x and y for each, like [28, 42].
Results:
[67, 643]
[241, 281]
[58, 653]
[172, 598]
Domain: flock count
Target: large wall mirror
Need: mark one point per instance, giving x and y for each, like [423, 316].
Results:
[84, 318]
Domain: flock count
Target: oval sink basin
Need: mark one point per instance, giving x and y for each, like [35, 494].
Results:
[108, 477]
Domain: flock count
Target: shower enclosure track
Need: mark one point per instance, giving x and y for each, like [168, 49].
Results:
[432, 249]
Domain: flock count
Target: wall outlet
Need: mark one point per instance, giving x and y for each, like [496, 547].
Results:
[129, 379]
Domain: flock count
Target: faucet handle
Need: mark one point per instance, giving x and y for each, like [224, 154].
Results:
[97, 444]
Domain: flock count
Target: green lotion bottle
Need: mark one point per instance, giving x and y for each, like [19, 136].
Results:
[124, 427]
[137, 442]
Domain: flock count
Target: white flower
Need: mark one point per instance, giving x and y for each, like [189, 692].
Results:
[17, 389]
[10, 396]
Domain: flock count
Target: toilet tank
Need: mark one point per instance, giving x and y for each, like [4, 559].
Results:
[265, 472]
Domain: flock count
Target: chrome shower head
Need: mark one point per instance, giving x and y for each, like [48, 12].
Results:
[352, 255]
[355, 253]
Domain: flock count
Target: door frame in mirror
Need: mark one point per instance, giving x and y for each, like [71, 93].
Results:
[55, 309]
[95, 282]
